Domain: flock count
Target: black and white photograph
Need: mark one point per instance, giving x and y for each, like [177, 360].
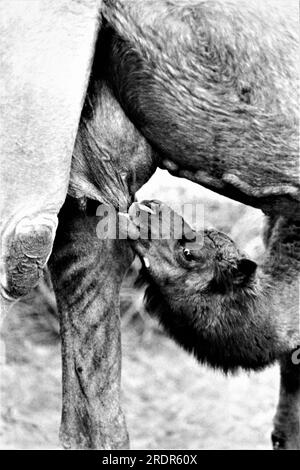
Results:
[150, 227]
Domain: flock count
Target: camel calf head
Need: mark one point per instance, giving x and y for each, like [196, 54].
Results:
[208, 295]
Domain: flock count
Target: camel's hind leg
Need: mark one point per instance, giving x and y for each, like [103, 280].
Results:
[286, 433]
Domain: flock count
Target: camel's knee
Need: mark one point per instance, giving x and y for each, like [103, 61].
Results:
[25, 255]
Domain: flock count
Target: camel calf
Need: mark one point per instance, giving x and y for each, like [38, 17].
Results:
[222, 307]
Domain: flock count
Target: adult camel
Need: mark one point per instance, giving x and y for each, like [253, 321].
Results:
[205, 89]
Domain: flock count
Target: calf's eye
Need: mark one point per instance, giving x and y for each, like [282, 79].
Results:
[187, 254]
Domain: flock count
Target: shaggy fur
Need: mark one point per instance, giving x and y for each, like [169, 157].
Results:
[221, 100]
[219, 305]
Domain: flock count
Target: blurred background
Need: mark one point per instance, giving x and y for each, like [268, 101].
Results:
[171, 402]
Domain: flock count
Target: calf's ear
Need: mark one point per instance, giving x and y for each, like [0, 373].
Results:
[245, 271]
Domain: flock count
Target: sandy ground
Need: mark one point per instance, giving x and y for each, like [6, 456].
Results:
[170, 401]
[181, 405]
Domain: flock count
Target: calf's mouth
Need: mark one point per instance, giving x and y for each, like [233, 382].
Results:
[136, 225]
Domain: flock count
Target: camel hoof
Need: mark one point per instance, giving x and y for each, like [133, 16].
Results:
[278, 442]
[282, 442]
